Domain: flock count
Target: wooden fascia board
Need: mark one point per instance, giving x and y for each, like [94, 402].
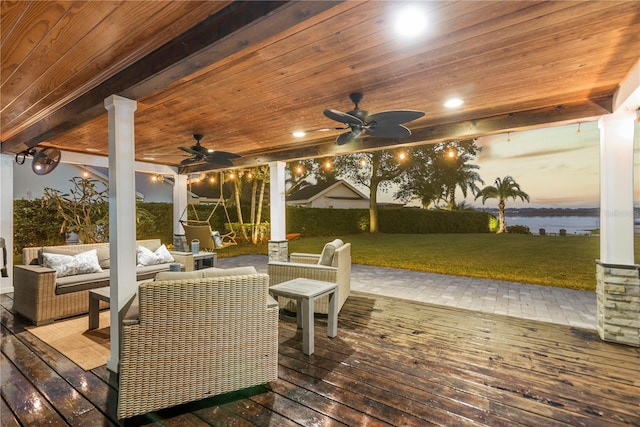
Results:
[232, 29]
[432, 134]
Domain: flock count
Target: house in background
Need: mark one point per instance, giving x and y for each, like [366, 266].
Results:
[332, 195]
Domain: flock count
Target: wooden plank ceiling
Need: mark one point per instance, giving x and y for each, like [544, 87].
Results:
[246, 75]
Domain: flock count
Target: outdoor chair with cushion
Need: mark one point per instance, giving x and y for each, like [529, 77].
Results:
[193, 335]
[332, 265]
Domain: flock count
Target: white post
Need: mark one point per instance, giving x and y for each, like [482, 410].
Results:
[122, 214]
[6, 218]
[179, 207]
[616, 187]
[278, 246]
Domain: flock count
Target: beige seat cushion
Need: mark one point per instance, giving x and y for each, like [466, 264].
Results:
[235, 271]
[326, 257]
[178, 275]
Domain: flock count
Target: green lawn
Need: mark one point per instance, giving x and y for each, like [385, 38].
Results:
[562, 261]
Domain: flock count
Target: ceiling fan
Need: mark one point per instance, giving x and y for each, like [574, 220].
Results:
[201, 154]
[44, 161]
[385, 124]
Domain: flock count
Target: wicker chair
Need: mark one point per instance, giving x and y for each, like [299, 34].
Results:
[190, 339]
[307, 266]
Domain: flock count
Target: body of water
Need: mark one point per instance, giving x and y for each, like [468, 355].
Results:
[577, 225]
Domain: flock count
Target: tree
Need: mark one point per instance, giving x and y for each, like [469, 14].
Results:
[84, 211]
[301, 173]
[437, 170]
[503, 189]
[375, 170]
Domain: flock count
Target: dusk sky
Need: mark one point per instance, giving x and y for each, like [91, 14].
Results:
[556, 166]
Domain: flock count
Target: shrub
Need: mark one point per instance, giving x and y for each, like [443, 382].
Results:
[518, 229]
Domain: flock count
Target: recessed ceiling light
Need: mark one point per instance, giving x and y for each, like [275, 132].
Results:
[299, 134]
[410, 22]
[453, 103]
[93, 150]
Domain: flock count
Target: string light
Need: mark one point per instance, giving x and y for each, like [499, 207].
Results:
[212, 179]
[508, 136]
[85, 172]
[249, 175]
[232, 175]
[363, 162]
[299, 169]
[578, 131]
[451, 153]
[328, 165]
[402, 156]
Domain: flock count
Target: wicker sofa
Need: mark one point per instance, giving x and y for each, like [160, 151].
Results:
[332, 265]
[42, 296]
[190, 336]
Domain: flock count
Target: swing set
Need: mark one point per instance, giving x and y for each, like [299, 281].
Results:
[200, 230]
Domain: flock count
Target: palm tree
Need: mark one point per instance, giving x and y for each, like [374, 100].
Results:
[503, 189]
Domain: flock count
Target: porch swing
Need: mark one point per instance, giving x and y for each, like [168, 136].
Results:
[200, 230]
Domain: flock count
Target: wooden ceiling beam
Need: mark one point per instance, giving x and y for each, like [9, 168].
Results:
[229, 31]
[431, 134]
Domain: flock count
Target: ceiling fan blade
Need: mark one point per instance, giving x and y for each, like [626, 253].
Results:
[190, 150]
[341, 117]
[190, 161]
[397, 131]
[345, 138]
[394, 117]
[223, 154]
[219, 161]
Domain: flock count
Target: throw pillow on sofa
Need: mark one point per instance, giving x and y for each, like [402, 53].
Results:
[69, 265]
[147, 257]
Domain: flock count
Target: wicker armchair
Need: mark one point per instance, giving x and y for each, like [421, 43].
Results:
[307, 266]
[190, 339]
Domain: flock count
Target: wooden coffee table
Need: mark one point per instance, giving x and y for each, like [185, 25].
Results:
[95, 296]
[305, 292]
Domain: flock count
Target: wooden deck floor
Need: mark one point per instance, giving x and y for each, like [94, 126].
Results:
[394, 362]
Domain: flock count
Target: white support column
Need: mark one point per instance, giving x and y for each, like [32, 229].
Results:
[122, 214]
[278, 245]
[616, 187]
[6, 217]
[179, 207]
[618, 278]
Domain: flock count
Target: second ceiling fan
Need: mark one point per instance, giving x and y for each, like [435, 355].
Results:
[385, 124]
[201, 154]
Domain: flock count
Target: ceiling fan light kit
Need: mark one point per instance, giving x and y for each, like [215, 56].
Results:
[385, 124]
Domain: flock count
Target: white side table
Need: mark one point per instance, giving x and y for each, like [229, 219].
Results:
[305, 292]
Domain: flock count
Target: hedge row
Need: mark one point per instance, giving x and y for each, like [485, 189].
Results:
[36, 225]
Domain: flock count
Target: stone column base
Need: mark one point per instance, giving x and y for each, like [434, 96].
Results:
[279, 250]
[618, 290]
[180, 243]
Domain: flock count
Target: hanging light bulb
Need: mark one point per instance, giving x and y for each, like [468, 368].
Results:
[578, 131]
[299, 169]
[249, 175]
[452, 153]
[363, 162]
[232, 175]
[85, 172]
[212, 179]
[508, 136]
[402, 156]
[328, 165]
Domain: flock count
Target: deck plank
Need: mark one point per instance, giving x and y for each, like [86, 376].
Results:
[394, 362]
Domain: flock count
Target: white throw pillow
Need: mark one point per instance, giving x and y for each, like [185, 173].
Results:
[69, 265]
[160, 256]
[163, 254]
